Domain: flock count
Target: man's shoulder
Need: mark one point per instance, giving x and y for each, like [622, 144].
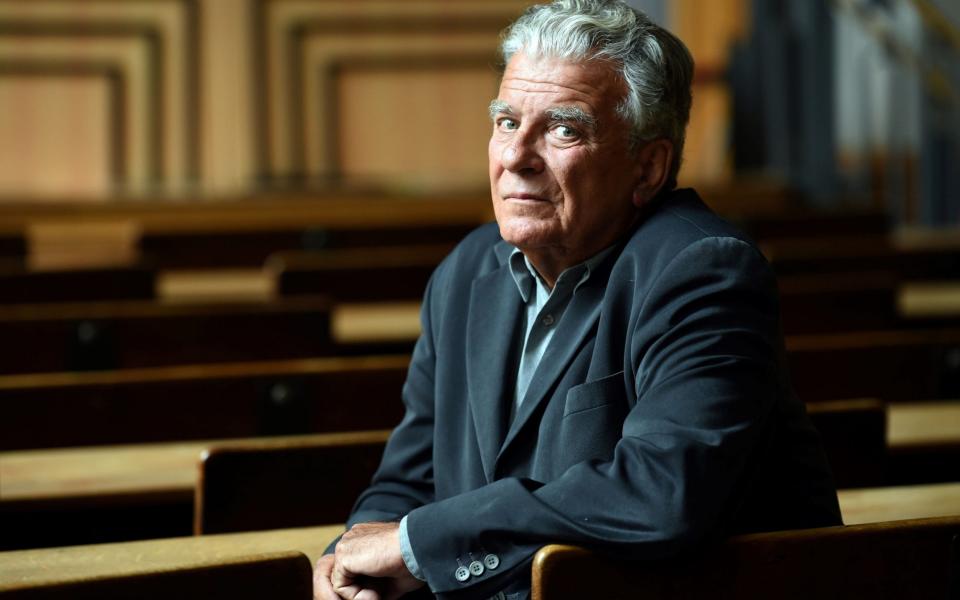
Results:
[679, 220]
[682, 217]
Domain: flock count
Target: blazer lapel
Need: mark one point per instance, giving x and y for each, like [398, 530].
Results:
[577, 322]
[495, 310]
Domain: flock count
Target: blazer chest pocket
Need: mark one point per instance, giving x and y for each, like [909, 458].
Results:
[592, 421]
[595, 394]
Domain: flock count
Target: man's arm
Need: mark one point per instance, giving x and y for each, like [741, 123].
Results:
[704, 366]
[370, 549]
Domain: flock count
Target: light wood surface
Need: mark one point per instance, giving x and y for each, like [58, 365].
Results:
[917, 425]
[171, 468]
[929, 300]
[136, 472]
[216, 285]
[262, 214]
[146, 470]
[901, 559]
[32, 568]
[375, 322]
[875, 505]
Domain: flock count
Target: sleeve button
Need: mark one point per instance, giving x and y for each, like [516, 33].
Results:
[492, 561]
[476, 568]
[462, 574]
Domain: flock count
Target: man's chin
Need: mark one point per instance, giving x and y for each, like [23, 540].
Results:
[526, 233]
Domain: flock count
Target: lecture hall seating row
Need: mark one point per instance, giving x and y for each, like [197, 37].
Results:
[914, 559]
[81, 493]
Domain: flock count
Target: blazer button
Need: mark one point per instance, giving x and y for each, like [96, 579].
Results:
[476, 568]
[462, 574]
[492, 561]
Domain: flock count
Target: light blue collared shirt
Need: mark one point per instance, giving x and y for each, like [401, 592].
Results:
[544, 307]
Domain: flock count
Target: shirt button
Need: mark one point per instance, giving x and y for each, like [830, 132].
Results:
[548, 320]
[492, 561]
[476, 568]
[462, 574]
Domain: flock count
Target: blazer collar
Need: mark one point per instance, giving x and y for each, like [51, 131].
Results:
[493, 322]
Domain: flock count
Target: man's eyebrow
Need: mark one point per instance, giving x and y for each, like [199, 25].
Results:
[572, 114]
[567, 114]
[499, 107]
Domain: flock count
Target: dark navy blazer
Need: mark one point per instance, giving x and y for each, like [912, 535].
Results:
[659, 417]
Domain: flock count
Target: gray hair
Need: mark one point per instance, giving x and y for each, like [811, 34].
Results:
[655, 65]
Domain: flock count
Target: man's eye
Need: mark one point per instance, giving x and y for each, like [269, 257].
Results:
[506, 124]
[565, 132]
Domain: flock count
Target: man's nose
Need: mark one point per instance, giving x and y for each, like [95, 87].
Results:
[521, 155]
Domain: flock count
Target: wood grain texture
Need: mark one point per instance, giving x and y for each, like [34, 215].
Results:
[903, 559]
[26, 569]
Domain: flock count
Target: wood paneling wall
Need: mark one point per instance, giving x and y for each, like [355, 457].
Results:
[115, 98]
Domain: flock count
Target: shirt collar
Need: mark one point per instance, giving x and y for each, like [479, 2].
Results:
[526, 277]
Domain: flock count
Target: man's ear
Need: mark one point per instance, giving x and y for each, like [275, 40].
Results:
[653, 168]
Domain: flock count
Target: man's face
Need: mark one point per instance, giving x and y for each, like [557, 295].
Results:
[561, 174]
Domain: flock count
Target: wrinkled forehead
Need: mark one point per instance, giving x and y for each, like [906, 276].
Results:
[593, 83]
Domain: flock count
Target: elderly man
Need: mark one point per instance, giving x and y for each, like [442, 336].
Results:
[601, 367]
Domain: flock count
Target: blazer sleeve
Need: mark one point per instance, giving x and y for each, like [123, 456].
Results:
[702, 351]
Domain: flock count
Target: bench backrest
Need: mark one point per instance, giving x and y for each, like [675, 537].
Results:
[358, 274]
[280, 575]
[198, 402]
[854, 436]
[112, 335]
[901, 559]
[278, 484]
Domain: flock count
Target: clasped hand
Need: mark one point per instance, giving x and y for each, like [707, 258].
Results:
[366, 565]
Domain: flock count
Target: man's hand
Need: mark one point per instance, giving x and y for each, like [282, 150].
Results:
[366, 565]
[322, 588]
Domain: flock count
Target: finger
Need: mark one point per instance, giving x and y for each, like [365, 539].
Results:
[349, 592]
[322, 588]
[367, 594]
[340, 577]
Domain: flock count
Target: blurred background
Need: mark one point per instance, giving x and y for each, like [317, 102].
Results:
[844, 103]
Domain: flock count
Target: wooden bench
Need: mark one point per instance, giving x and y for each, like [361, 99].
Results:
[110, 335]
[917, 260]
[894, 366]
[854, 436]
[278, 483]
[285, 576]
[242, 232]
[905, 559]
[870, 443]
[923, 441]
[201, 402]
[192, 250]
[358, 274]
[104, 493]
[899, 502]
[797, 224]
[847, 302]
[267, 564]
[22, 286]
[112, 493]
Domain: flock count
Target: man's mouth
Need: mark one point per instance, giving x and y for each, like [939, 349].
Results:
[524, 196]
